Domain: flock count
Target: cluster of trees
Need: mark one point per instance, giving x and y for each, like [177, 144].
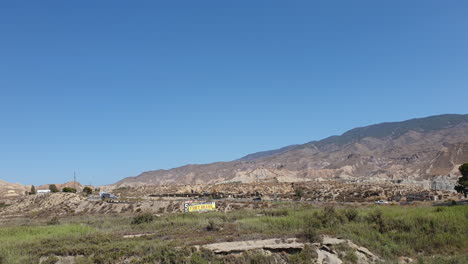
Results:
[69, 190]
[53, 188]
[33, 190]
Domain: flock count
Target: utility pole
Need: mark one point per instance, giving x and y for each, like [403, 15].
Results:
[74, 180]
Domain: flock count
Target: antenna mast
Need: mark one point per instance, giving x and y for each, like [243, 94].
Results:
[74, 180]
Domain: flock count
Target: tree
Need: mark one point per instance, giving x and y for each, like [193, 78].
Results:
[53, 188]
[299, 192]
[462, 183]
[33, 190]
[69, 190]
[87, 190]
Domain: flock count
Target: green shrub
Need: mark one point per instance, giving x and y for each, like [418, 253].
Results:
[351, 214]
[213, 226]
[255, 257]
[350, 257]
[83, 260]
[306, 256]
[87, 190]
[54, 221]
[277, 212]
[329, 217]
[33, 190]
[203, 256]
[311, 225]
[69, 190]
[142, 218]
[165, 255]
[346, 253]
[299, 193]
[376, 218]
[197, 258]
[311, 234]
[53, 188]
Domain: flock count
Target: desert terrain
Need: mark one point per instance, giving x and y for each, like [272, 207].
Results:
[321, 222]
[378, 194]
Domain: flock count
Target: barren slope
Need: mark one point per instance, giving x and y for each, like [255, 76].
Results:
[12, 189]
[421, 151]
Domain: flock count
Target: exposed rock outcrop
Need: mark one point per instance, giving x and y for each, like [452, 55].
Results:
[329, 251]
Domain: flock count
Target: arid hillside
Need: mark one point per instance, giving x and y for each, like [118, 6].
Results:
[12, 189]
[424, 151]
[73, 184]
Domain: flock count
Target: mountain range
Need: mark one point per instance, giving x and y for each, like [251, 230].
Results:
[423, 151]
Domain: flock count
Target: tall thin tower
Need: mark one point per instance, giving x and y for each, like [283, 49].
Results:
[74, 180]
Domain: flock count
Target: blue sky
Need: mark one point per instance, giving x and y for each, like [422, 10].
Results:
[114, 88]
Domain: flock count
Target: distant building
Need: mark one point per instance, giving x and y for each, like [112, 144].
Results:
[105, 195]
[43, 191]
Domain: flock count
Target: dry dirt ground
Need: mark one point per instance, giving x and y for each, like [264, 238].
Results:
[228, 197]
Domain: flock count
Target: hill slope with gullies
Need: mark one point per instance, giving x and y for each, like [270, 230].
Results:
[12, 189]
[424, 151]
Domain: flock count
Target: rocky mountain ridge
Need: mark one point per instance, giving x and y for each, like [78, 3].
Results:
[424, 151]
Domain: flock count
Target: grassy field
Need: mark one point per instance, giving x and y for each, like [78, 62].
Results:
[428, 234]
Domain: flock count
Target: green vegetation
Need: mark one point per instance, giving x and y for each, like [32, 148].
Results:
[87, 190]
[53, 188]
[462, 183]
[299, 192]
[54, 221]
[20, 244]
[69, 190]
[142, 218]
[33, 190]
[427, 234]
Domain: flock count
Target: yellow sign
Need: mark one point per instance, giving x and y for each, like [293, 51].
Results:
[208, 206]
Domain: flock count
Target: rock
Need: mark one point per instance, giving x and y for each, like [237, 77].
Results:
[326, 240]
[405, 260]
[266, 244]
[363, 252]
[325, 257]
[328, 252]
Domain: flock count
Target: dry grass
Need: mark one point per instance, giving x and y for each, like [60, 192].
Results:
[431, 234]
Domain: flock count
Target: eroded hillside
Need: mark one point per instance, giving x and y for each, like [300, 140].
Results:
[423, 151]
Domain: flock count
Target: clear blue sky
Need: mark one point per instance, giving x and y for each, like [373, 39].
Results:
[114, 88]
